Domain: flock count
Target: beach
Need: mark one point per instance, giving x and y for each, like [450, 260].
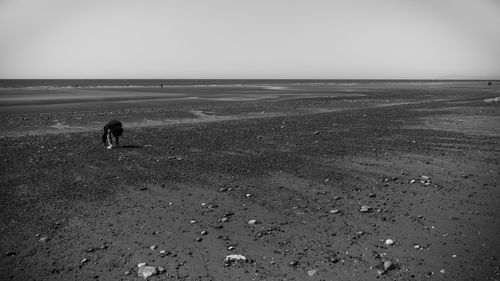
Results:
[307, 182]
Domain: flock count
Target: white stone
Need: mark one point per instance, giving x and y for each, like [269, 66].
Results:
[389, 242]
[252, 222]
[335, 211]
[146, 271]
[365, 209]
[141, 264]
[311, 272]
[235, 258]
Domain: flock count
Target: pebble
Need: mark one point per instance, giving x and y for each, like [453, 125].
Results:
[146, 271]
[252, 222]
[248, 195]
[153, 247]
[388, 265]
[161, 269]
[204, 232]
[224, 219]
[294, 263]
[442, 271]
[84, 260]
[235, 258]
[192, 221]
[372, 195]
[11, 254]
[412, 181]
[199, 239]
[389, 242]
[334, 211]
[425, 178]
[141, 264]
[380, 272]
[231, 248]
[311, 272]
[365, 209]
[44, 239]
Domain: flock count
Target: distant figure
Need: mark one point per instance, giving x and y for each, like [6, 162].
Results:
[113, 128]
[76, 85]
[161, 85]
[489, 84]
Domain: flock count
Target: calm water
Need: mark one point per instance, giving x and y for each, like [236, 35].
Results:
[121, 83]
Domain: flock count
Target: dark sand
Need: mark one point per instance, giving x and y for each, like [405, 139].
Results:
[72, 210]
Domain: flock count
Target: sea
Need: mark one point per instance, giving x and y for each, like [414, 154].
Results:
[145, 83]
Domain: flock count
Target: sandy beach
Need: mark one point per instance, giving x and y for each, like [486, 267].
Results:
[307, 183]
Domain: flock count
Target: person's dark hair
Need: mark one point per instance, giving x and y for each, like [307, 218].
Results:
[117, 131]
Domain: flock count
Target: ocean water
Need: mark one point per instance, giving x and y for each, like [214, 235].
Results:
[154, 83]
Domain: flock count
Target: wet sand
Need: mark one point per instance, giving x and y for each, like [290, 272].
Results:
[424, 159]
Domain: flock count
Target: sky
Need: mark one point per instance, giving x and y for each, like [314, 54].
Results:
[259, 39]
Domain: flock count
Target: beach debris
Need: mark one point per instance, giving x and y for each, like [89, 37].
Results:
[146, 271]
[389, 242]
[334, 211]
[365, 209]
[312, 272]
[252, 222]
[230, 259]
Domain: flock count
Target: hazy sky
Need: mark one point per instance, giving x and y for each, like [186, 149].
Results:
[250, 39]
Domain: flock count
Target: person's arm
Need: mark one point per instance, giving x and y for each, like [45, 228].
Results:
[110, 144]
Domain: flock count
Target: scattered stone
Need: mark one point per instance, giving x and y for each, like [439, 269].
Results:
[311, 272]
[146, 271]
[248, 195]
[199, 239]
[234, 258]
[231, 248]
[204, 232]
[141, 264]
[316, 132]
[412, 181]
[153, 247]
[84, 260]
[380, 272]
[127, 273]
[334, 211]
[223, 189]
[372, 195]
[44, 239]
[224, 219]
[294, 263]
[161, 269]
[442, 271]
[11, 253]
[497, 99]
[388, 265]
[389, 242]
[252, 222]
[365, 209]
[425, 178]
[192, 221]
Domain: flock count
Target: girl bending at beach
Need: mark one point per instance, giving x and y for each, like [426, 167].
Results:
[113, 128]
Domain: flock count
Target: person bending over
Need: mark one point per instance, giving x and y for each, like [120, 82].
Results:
[113, 128]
